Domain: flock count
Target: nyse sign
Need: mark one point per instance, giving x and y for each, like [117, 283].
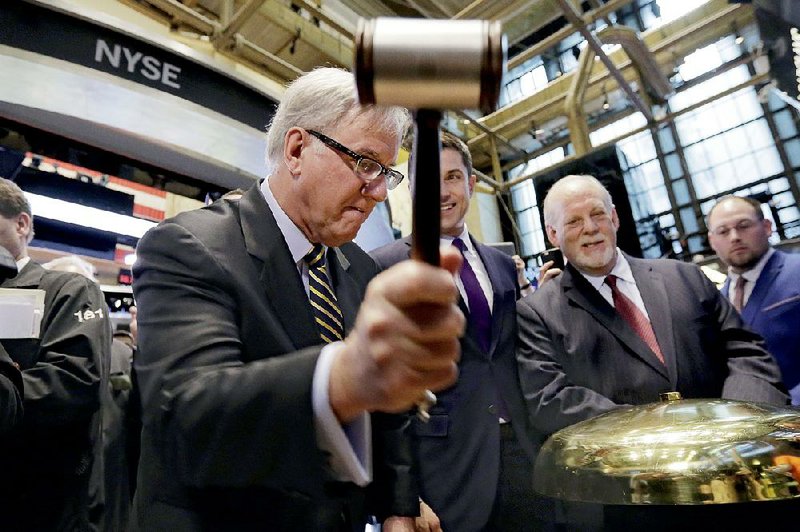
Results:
[135, 62]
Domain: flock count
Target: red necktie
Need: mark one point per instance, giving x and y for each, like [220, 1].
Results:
[738, 294]
[635, 317]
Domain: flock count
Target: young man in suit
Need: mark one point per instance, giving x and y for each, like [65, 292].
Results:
[763, 283]
[265, 342]
[475, 454]
[46, 460]
[613, 330]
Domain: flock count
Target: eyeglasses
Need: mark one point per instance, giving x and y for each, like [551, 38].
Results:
[740, 226]
[366, 168]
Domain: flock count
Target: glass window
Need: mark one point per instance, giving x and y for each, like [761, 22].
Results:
[785, 124]
[665, 137]
[793, 151]
[689, 220]
[673, 166]
[681, 190]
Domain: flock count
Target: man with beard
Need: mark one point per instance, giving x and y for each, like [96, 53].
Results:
[762, 282]
[613, 330]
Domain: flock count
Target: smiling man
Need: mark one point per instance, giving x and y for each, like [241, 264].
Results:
[614, 330]
[475, 455]
[763, 283]
[269, 346]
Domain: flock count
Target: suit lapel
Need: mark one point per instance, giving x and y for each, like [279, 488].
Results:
[768, 275]
[656, 300]
[348, 293]
[494, 270]
[578, 290]
[278, 273]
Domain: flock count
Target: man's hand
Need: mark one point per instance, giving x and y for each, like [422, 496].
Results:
[547, 272]
[428, 521]
[405, 339]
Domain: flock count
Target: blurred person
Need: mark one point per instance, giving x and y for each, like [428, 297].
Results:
[525, 286]
[46, 462]
[109, 485]
[613, 330]
[10, 377]
[269, 347]
[474, 455]
[763, 283]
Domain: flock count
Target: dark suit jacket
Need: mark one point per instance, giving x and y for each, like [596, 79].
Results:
[773, 311]
[578, 358]
[46, 460]
[459, 449]
[227, 350]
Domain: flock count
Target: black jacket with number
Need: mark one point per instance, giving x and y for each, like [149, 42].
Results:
[45, 461]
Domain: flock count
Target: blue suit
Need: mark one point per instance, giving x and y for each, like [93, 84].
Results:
[773, 311]
[459, 450]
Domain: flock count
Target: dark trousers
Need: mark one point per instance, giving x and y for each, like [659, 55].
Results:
[513, 509]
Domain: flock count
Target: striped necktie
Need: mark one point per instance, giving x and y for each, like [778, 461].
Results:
[635, 317]
[323, 300]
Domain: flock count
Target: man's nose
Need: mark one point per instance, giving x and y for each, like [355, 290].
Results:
[376, 189]
[589, 225]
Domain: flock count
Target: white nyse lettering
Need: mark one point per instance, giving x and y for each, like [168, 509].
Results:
[151, 68]
[170, 76]
[102, 49]
[132, 58]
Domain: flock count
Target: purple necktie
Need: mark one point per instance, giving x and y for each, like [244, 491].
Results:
[479, 315]
[480, 319]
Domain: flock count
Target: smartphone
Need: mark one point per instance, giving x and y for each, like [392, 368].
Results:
[553, 254]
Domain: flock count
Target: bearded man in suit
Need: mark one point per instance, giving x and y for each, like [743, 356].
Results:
[613, 330]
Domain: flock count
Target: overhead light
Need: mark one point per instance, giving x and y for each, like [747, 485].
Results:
[606, 105]
[739, 39]
[76, 214]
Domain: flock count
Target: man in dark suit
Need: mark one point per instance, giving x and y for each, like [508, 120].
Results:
[249, 423]
[46, 460]
[475, 454]
[613, 330]
[763, 283]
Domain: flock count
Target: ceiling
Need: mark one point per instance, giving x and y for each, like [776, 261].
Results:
[284, 38]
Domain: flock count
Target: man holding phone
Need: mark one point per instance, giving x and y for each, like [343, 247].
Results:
[475, 454]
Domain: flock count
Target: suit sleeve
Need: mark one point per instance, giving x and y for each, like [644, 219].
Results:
[222, 422]
[553, 401]
[63, 386]
[10, 393]
[753, 374]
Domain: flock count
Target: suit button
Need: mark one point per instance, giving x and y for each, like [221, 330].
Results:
[493, 409]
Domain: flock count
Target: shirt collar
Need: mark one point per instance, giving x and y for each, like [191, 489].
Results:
[21, 263]
[621, 270]
[753, 273]
[447, 240]
[298, 244]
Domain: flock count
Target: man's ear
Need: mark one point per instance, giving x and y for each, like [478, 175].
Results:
[471, 183]
[552, 235]
[293, 143]
[615, 218]
[24, 225]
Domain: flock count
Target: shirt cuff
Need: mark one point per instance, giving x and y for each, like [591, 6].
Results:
[349, 446]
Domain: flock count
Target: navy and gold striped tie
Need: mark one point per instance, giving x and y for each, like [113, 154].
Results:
[323, 300]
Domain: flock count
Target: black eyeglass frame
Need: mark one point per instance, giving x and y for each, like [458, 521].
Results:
[393, 177]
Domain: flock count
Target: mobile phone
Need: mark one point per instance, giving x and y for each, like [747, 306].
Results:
[553, 254]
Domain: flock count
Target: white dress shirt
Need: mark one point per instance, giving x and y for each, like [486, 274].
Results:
[471, 254]
[349, 446]
[751, 276]
[625, 283]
